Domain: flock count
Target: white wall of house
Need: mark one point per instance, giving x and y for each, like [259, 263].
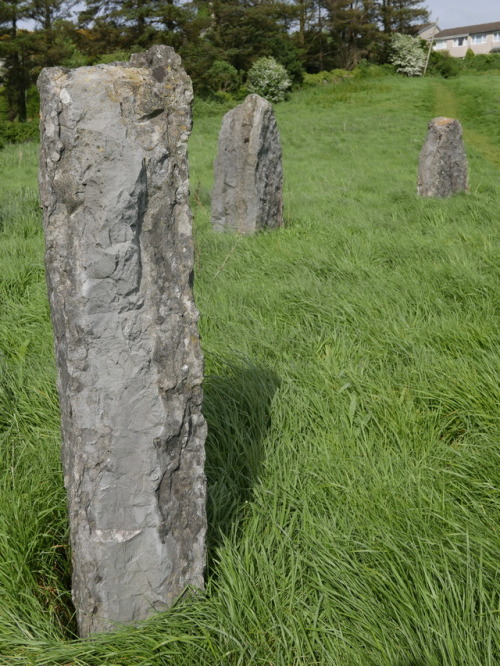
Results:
[457, 45]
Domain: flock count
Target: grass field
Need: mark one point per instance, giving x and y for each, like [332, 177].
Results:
[352, 396]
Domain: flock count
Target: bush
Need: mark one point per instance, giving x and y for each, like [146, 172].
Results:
[114, 56]
[326, 78]
[443, 64]
[469, 55]
[482, 62]
[213, 106]
[14, 132]
[407, 55]
[268, 78]
[222, 77]
[369, 70]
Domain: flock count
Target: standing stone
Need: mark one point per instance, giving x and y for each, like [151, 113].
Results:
[443, 163]
[248, 188]
[119, 259]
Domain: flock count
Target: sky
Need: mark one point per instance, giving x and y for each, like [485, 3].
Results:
[457, 13]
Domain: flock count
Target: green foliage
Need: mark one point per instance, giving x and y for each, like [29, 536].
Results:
[401, 15]
[269, 79]
[204, 107]
[33, 103]
[443, 64]
[16, 132]
[369, 70]
[222, 78]
[242, 33]
[225, 77]
[198, 57]
[326, 78]
[351, 395]
[407, 55]
[115, 56]
[364, 70]
[484, 62]
[289, 56]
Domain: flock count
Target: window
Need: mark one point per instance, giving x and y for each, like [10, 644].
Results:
[479, 39]
[440, 45]
[459, 41]
[496, 37]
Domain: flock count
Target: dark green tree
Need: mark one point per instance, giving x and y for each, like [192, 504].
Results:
[126, 21]
[401, 15]
[46, 12]
[353, 30]
[244, 32]
[16, 51]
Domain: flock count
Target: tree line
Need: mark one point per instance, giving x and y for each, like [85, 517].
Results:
[217, 39]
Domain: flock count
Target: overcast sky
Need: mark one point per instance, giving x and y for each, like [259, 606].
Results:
[457, 13]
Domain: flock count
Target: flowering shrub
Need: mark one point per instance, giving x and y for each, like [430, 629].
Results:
[407, 55]
[268, 78]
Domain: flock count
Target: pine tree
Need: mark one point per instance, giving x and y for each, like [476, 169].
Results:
[46, 12]
[15, 50]
[353, 30]
[401, 15]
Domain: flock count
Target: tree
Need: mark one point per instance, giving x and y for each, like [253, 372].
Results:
[128, 20]
[15, 50]
[46, 12]
[25, 53]
[245, 32]
[353, 30]
[400, 15]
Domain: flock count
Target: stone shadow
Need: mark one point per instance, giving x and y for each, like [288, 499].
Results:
[237, 407]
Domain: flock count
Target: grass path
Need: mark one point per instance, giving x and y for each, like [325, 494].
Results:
[447, 103]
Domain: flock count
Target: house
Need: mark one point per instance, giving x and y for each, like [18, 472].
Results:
[481, 38]
[427, 30]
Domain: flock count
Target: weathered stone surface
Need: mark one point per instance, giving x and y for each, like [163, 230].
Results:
[119, 258]
[443, 162]
[248, 187]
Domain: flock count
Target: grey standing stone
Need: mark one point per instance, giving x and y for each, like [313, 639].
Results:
[248, 187]
[119, 258]
[443, 162]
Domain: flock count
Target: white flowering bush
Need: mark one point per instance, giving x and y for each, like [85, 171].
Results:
[269, 79]
[407, 55]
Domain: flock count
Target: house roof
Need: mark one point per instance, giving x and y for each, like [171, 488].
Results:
[469, 30]
[425, 26]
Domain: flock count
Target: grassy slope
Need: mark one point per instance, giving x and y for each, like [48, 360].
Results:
[352, 400]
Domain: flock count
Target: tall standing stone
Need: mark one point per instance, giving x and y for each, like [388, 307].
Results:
[443, 162]
[119, 259]
[248, 187]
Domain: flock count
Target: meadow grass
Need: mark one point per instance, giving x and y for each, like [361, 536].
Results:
[352, 392]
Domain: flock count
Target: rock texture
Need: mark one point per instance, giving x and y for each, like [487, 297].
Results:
[119, 257]
[248, 188]
[443, 163]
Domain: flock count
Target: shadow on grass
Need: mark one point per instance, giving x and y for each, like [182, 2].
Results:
[237, 408]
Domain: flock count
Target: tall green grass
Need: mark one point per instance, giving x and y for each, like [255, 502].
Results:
[352, 396]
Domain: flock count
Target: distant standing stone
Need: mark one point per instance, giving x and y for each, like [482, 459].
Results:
[119, 259]
[248, 188]
[443, 162]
